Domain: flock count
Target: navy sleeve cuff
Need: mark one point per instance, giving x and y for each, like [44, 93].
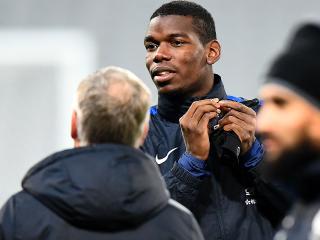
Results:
[193, 165]
[254, 155]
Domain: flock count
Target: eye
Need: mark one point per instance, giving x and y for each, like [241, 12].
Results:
[280, 102]
[150, 46]
[177, 43]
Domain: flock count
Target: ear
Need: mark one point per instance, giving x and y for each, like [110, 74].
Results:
[145, 131]
[144, 134]
[74, 128]
[214, 50]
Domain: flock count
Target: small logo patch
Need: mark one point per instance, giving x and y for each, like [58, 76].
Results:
[249, 200]
[162, 160]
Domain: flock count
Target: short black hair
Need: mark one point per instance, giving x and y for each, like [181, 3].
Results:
[202, 19]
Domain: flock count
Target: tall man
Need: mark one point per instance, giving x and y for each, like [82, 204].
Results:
[289, 123]
[222, 190]
[104, 188]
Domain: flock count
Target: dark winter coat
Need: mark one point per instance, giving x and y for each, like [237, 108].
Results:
[233, 202]
[303, 220]
[98, 192]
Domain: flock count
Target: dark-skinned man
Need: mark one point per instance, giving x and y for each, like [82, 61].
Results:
[223, 190]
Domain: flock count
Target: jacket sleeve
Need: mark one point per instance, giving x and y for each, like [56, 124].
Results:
[183, 186]
[7, 220]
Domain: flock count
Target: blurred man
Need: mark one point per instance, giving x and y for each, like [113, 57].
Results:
[212, 171]
[105, 188]
[289, 123]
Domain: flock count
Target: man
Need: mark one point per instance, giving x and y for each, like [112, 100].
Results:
[289, 123]
[202, 169]
[105, 188]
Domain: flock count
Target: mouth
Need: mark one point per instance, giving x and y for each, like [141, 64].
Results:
[270, 145]
[161, 75]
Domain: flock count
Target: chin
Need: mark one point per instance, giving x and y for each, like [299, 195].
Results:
[288, 164]
[169, 92]
[164, 90]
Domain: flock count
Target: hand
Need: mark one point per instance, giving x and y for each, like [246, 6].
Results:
[194, 126]
[241, 120]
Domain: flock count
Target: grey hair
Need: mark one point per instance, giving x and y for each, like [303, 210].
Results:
[112, 106]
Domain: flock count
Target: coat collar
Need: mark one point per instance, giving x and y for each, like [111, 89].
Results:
[173, 108]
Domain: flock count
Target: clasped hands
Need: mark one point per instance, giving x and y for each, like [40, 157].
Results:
[237, 118]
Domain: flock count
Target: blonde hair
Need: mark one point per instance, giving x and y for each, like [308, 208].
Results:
[112, 106]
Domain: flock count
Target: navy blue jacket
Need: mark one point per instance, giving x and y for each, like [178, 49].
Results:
[99, 192]
[303, 220]
[232, 202]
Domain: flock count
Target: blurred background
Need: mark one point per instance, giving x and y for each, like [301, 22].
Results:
[47, 47]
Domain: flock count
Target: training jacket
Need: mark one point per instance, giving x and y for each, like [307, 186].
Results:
[303, 220]
[98, 192]
[231, 202]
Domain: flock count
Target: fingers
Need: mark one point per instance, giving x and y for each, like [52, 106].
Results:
[233, 115]
[194, 126]
[211, 103]
[199, 108]
[229, 105]
[241, 120]
[204, 121]
[204, 112]
[241, 128]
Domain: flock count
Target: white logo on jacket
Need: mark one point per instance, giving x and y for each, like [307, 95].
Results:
[249, 199]
[162, 160]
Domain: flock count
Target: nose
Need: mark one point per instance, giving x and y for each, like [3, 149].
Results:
[265, 120]
[162, 53]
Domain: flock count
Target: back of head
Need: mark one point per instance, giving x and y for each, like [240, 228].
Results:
[112, 106]
[202, 19]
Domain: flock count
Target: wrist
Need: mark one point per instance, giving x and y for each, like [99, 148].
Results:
[201, 156]
[254, 155]
[196, 167]
[249, 146]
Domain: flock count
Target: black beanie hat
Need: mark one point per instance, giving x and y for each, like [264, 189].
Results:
[298, 67]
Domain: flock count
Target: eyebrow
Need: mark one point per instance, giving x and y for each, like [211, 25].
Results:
[174, 35]
[150, 38]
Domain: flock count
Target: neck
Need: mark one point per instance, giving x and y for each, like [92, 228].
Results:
[76, 143]
[174, 106]
[204, 87]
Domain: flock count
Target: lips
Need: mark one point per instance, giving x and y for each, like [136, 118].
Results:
[162, 74]
[270, 144]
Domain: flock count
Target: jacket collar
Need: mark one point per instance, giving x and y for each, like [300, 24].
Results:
[172, 108]
[99, 187]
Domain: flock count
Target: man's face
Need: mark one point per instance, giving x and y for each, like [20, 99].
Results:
[176, 58]
[284, 121]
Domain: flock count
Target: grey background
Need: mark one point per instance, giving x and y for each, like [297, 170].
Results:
[251, 32]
